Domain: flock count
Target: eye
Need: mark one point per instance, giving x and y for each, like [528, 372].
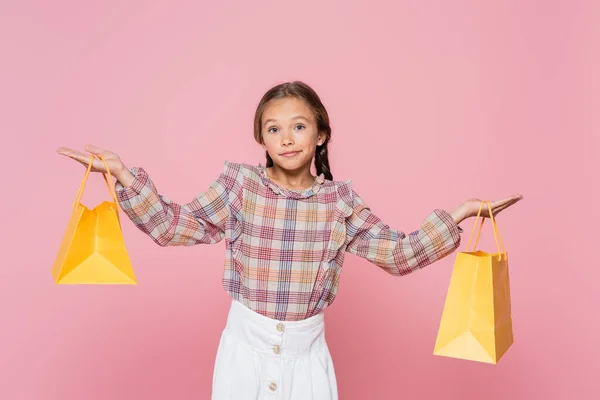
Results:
[272, 129]
[300, 127]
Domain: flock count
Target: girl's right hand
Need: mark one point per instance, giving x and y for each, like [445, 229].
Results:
[116, 166]
[113, 161]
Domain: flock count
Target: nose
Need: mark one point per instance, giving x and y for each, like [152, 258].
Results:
[287, 138]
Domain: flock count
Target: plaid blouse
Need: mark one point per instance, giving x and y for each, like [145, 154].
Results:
[284, 248]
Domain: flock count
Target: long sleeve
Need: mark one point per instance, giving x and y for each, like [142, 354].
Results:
[200, 221]
[394, 251]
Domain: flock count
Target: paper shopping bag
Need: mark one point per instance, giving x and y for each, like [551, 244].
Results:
[476, 322]
[93, 249]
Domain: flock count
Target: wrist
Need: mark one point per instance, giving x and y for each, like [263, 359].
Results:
[459, 214]
[118, 170]
[123, 175]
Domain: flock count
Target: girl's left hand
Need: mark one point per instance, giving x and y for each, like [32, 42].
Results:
[470, 208]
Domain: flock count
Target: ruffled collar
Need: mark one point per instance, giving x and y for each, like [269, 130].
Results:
[294, 194]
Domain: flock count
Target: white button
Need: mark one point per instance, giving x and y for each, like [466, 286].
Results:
[276, 349]
[273, 386]
[280, 327]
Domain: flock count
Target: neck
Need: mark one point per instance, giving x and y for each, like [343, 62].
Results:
[297, 179]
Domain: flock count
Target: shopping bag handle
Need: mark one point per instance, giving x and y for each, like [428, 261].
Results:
[85, 178]
[497, 237]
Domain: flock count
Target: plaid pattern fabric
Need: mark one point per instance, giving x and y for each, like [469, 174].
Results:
[284, 248]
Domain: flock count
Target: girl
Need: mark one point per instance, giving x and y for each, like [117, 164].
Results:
[286, 232]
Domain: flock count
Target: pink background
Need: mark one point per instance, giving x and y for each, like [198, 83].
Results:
[431, 103]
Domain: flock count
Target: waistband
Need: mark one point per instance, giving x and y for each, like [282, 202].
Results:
[277, 338]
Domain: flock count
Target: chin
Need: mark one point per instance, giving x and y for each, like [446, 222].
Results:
[291, 163]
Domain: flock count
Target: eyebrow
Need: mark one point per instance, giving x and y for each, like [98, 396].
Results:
[295, 118]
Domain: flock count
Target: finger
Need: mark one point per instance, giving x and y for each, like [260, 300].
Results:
[65, 151]
[505, 206]
[94, 149]
[497, 210]
[508, 200]
[71, 153]
[76, 155]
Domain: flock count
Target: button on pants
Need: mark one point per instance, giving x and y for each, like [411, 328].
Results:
[262, 358]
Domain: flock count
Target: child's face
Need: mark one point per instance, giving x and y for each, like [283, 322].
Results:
[289, 126]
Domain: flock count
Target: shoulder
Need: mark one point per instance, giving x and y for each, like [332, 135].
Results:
[239, 170]
[343, 190]
[347, 195]
[231, 175]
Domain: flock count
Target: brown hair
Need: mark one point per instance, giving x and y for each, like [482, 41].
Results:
[305, 93]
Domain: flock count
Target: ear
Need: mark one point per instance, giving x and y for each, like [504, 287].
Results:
[321, 138]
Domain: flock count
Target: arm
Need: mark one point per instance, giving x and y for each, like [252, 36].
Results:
[168, 223]
[394, 251]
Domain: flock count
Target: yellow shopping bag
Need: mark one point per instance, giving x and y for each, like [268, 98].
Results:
[93, 249]
[476, 322]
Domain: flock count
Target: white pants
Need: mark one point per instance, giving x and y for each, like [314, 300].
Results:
[262, 358]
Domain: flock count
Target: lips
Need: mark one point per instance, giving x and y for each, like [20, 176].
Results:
[289, 153]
